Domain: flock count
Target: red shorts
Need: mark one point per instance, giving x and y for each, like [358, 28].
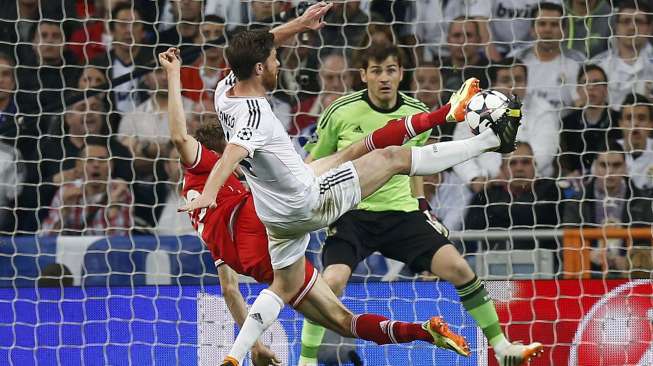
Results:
[251, 243]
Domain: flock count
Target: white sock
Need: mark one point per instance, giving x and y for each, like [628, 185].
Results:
[500, 348]
[261, 315]
[431, 159]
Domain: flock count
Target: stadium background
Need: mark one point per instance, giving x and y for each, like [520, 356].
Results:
[133, 286]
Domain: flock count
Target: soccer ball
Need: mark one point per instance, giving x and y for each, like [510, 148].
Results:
[484, 108]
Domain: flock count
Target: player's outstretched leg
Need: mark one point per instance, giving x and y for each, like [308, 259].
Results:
[322, 307]
[398, 131]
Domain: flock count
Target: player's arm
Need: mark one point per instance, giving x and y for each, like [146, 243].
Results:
[185, 143]
[310, 20]
[232, 156]
[238, 309]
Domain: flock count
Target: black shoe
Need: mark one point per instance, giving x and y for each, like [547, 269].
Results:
[506, 127]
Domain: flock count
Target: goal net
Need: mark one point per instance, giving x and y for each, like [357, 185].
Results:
[98, 267]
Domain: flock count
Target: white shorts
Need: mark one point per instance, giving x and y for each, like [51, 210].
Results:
[335, 192]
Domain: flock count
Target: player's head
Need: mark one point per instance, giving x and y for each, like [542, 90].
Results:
[509, 76]
[381, 68]
[609, 167]
[593, 82]
[636, 121]
[252, 55]
[427, 84]
[209, 133]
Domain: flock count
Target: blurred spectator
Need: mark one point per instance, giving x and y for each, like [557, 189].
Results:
[199, 79]
[346, 25]
[59, 151]
[629, 58]
[427, 85]
[145, 132]
[230, 11]
[425, 26]
[92, 39]
[636, 124]
[185, 30]
[44, 70]
[8, 107]
[587, 26]
[517, 200]
[145, 129]
[263, 11]
[552, 68]
[92, 204]
[465, 55]
[335, 81]
[505, 24]
[128, 52]
[589, 127]
[609, 199]
[299, 67]
[169, 220]
[18, 18]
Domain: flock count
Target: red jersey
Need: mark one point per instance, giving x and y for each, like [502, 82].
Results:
[232, 231]
[213, 224]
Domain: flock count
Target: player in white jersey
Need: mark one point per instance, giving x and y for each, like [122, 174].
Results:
[292, 198]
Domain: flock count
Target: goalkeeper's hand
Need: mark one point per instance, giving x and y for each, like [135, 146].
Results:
[432, 219]
[508, 125]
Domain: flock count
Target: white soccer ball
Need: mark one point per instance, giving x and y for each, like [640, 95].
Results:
[484, 108]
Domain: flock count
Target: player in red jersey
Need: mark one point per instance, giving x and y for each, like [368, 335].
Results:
[238, 241]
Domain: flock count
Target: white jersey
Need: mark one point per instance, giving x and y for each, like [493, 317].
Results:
[281, 183]
[510, 20]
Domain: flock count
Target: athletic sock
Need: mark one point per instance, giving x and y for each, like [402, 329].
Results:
[398, 131]
[381, 330]
[312, 335]
[431, 159]
[263, 312]
[477, 302]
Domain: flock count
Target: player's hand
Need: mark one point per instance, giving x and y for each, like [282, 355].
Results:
[170, 60]
[263, 356]
[432, 219]
[312, 17]
[202, 201]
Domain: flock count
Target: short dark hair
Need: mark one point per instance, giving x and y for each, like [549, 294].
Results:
[550, 6]
[611, 146]
[120, 7]
[506, 63]
[35, 30]
[462, 19]
[585, 68]
[643, 6]
[379, 52]
[248, 48]
[212, 18]
[210, 134]
[10, 60]
[635, 100]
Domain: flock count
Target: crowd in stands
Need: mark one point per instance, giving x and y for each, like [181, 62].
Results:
[83, 154]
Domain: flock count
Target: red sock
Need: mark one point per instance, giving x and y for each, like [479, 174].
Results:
[398, 131]
[381, 330]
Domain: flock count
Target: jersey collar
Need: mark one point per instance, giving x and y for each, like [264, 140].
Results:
[400, 102]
